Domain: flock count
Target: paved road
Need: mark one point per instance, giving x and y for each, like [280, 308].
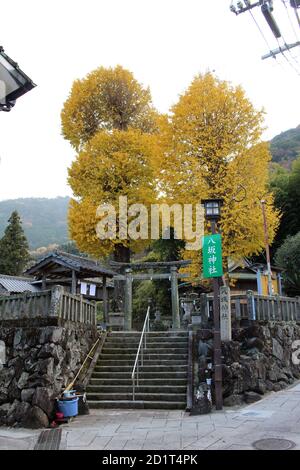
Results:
[276, 416]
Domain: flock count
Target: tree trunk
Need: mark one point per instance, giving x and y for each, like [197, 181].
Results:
[121, 255]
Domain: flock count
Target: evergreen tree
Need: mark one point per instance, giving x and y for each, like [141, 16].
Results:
[14, 252]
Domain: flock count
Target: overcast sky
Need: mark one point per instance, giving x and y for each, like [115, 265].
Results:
[163, 42]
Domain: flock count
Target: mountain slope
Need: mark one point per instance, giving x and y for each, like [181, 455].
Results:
[44, 220]
[285, 147]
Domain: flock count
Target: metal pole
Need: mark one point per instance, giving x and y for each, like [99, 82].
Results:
[270, 287]
[217, 338]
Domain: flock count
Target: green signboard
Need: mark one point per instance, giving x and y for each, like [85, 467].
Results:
[212, 256]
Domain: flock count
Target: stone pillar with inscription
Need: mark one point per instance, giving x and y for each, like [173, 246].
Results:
[225, 314]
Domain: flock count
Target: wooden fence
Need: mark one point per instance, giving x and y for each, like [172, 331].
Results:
[75, 308]
[251, 306]
[28, 305]
[54, 303]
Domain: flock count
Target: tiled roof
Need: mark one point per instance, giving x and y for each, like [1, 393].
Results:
[70, 261]
[17, 284]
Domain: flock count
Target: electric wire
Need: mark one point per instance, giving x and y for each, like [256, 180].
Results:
[290, 20]
[262, 34]
[294, 31]
[288, 61]
[297, 15]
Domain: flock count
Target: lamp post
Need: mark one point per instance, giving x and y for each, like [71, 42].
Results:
[212, 209]
[13, 82]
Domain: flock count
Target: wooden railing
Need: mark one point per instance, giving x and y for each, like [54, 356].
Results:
[54, 303]
[251, 306]
[75, 308]
[263, 307]
[28, 305]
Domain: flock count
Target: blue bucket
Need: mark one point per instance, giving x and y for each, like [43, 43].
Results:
[68, 407]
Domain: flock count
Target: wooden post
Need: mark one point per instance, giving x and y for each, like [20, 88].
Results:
[105, 304]
[276, 314]
[175, 298]
[44, 282]
[74, 280]
[225, 313]
[128, 300]
[204, 308]
[81, 310]
[297, 312]
[238, 315]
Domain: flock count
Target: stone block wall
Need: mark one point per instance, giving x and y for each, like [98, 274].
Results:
[257, 360]
[40, 363]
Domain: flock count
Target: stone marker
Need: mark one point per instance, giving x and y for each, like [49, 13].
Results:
[225, 314]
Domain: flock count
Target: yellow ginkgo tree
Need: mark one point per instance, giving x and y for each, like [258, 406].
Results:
[112, 165]
[110, 120]
[212, 147]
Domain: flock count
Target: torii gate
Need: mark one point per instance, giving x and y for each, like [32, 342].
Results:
[129, 277]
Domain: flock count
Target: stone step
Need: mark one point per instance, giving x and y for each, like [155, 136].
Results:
[154, 333]
[173, 389]
[130, 364]
[143, 375]
[162, 378]
[129, 404]
[150, 340]
[147, 356]
[138, 396]
[155, 345]
[151, 349]
[128, 367]
[145, 382]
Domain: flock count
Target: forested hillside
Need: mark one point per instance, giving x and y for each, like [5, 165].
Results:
[285, 147]
[44, 220]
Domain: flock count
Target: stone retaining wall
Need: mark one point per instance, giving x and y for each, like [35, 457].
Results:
[257, 360]
[40, 363]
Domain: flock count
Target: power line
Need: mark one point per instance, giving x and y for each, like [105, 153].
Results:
[296, 12]
[290, 20]
[261, 32]
[267, 9]
[293, 28]
[288, 61]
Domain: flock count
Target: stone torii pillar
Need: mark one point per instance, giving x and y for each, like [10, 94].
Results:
[105, 299]
[175, 299]
[128, 300]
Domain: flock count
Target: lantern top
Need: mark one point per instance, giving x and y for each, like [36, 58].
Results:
[212, 208]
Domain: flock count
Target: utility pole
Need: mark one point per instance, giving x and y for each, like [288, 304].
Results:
[212, 209]
[267, 8]
[217, 336]
[270, 287]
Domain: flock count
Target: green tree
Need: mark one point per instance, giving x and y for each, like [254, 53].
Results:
[168, 250]
[286, 189]
[14, 253]
[288, 258]
[157, 290]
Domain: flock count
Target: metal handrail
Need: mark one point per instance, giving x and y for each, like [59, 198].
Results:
[142, 346]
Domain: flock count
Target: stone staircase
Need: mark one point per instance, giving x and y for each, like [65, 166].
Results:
[162, 379]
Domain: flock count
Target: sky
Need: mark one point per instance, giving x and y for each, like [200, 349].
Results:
[165, 43]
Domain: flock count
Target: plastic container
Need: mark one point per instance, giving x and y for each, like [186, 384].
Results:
[68, 407]
[69, 393]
